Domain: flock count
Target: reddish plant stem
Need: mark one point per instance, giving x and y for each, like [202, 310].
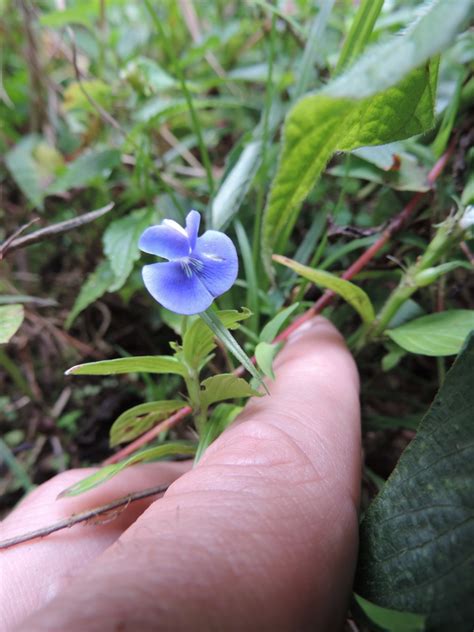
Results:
[394, 226]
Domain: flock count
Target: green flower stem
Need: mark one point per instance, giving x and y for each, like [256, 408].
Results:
[194, 393]
[418, 275]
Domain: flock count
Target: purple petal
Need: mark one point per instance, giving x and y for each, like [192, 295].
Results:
[172, 288]
[193, 219]
[165, 241]
[220, 263]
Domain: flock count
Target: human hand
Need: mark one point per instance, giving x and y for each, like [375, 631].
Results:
[261, 535]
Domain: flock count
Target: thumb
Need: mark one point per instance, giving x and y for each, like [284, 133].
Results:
[262, 534]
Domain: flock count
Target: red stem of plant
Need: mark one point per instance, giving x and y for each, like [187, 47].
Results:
[397, 222]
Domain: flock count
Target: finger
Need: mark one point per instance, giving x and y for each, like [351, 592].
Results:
[33, 572]
[262, 535]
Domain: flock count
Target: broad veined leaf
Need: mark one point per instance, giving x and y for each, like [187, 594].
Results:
[95, 286]
[149, 454]
[372, 103]
[134, 364]
[121, 244]
[11, 317]
[137, 420]
[440, 334]
[417, 536]
[198, 340]
[351, 293]
[225, 386]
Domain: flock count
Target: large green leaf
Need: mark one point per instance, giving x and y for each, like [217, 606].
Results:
[134, 364]
[225, 386]
[11, 317]
[137, 420]
[351, 293]
[149, 454]
[417, 537]
[121, 244]
[387, 95]
[441, 334]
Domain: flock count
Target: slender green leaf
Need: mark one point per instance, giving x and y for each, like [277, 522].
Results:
[391, 620]
[234, 188]
[95, 286]
[137, 364]
[137, 420]
[121, 244]
[265, 354]
[149, 454]
[351, 293]
[417, 536]
[225, 386]
[441, 334]
[372, 103]
[11, 317]
[271, 329]
[219, 330]
[360, 32]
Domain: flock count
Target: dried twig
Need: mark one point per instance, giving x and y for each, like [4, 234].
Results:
[44, 233]
[84, 516]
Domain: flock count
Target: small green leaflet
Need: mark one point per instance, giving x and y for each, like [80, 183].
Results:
[11, 317]
[138, 364]
[198, 340]
[222, 416]
[391, 620]
[107, 472]
[351, 293]
[225, 386]
[440, 334]
[135, 421]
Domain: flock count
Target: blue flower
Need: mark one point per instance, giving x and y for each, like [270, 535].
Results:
[198, 268]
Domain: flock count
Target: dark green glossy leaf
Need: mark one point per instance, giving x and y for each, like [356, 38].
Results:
[417, 537]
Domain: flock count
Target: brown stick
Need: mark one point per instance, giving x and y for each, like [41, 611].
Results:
[397, 222]
[84, 516]
[54, 229]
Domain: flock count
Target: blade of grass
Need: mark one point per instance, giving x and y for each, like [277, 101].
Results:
[250, 274]
[359, 33]
[316, 33]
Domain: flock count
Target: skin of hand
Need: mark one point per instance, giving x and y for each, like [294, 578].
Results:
[260, 535]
